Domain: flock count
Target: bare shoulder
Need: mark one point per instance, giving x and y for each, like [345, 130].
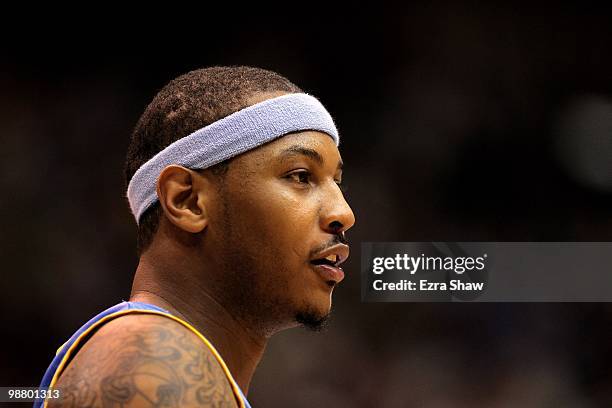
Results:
[144, 360]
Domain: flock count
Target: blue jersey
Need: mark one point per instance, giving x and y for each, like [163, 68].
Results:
[76, 341]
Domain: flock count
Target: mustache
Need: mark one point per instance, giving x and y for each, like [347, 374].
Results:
[339, 238]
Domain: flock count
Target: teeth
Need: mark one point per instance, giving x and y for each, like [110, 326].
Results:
[332, 258]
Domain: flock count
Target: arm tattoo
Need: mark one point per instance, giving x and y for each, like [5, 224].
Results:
[154, 362]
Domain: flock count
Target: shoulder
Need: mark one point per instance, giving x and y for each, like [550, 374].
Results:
[143, 360]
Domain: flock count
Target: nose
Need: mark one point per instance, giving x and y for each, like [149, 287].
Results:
[336, 216]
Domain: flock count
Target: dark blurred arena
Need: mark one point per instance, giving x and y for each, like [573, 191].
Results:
[458, 124]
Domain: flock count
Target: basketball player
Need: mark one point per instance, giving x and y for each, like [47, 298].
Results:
[233, 178]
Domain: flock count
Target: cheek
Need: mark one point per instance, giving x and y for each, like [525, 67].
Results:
[275, 215]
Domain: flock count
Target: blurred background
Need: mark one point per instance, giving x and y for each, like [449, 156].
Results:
[458, 124]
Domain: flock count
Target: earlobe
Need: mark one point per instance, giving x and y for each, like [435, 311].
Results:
[182, 198]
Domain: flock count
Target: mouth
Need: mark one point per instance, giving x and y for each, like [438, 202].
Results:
[327, 263]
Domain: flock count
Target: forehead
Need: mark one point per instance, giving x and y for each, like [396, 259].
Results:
[292, 145]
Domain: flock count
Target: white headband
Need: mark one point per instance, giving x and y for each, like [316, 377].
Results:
[235, 134]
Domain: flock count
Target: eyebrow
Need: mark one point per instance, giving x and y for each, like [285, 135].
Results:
[305, 151]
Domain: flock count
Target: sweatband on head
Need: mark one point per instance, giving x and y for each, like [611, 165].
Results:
[237, 133]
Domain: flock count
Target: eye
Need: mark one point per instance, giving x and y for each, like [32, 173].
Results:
[300, 176]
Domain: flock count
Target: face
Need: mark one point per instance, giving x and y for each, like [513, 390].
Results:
[279, 211]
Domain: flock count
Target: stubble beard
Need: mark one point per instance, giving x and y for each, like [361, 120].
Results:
[312, 320]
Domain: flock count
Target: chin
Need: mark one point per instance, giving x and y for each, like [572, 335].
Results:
[314, 318]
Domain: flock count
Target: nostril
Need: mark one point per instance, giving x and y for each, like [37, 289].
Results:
[335, 226]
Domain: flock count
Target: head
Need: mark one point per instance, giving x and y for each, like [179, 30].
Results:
[250, 226]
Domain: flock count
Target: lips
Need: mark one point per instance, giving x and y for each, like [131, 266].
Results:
[327, 263]
[332, 275]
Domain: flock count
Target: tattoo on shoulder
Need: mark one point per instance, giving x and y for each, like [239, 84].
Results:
[155, 363]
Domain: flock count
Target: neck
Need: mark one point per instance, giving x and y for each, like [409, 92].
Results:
[239, 345]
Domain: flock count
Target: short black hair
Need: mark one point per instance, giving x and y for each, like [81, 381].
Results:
[186, 104]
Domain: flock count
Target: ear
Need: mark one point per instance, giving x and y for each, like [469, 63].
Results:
[182, 194]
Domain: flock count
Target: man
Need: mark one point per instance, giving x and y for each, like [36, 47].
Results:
[233, 178]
